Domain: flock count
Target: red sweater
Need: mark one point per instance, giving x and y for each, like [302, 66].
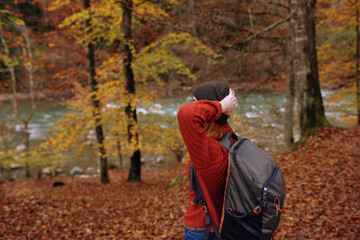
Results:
[209, 157]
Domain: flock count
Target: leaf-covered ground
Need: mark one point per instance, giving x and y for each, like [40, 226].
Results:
[322, 201]
[323, 187]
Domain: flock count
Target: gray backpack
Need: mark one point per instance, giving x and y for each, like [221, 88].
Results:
[254, 193]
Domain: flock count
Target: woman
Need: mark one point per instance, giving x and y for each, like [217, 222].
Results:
[202, 123]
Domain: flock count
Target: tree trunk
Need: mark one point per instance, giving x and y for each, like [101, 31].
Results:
[90, 55]
[290, 90]
[31, 70]
[310, 104]
[118, 145]
[133, 133]
[357, 61]
[27, 149]
[191, 16]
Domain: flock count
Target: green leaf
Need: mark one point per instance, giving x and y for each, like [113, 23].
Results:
[5, 11]
[174, 182]
[16, 20]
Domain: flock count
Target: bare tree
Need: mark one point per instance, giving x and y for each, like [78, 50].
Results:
[290, 90]
[190, 12]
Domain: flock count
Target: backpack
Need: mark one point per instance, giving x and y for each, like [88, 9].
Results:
[254, 193]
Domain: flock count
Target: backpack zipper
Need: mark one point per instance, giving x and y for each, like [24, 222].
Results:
[266, 187]
[262, 204]
[272, 177]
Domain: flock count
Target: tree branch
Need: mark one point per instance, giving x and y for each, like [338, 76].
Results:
[279, 5]
[267, 29]
[234, 46]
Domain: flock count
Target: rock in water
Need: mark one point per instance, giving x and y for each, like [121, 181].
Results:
[76, 171]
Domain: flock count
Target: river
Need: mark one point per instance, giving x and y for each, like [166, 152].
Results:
[259, 117]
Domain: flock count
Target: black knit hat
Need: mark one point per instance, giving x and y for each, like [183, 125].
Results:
[213, 91]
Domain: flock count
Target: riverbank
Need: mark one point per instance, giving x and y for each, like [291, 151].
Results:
[258, 118]
[322, 192]
[168, 90]
[45, 95]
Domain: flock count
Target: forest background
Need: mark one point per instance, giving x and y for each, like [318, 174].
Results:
[103, 60]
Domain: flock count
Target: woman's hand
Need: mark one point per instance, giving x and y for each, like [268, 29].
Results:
[229, 103]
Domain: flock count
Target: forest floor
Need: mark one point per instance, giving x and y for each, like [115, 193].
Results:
[322, 199]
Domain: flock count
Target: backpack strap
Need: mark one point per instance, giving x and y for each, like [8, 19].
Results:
[226, 140]
[200, 198]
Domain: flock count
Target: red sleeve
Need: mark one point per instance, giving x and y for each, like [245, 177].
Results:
[203, 150]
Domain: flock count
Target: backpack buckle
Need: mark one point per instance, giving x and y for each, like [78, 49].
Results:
[192, 203]
[277, 205]
[204, 209]
[257, 210]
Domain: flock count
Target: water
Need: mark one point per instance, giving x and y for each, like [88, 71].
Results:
[259, 117]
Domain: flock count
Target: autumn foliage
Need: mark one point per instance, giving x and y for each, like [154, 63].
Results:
[175, 45]
[322, 192]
